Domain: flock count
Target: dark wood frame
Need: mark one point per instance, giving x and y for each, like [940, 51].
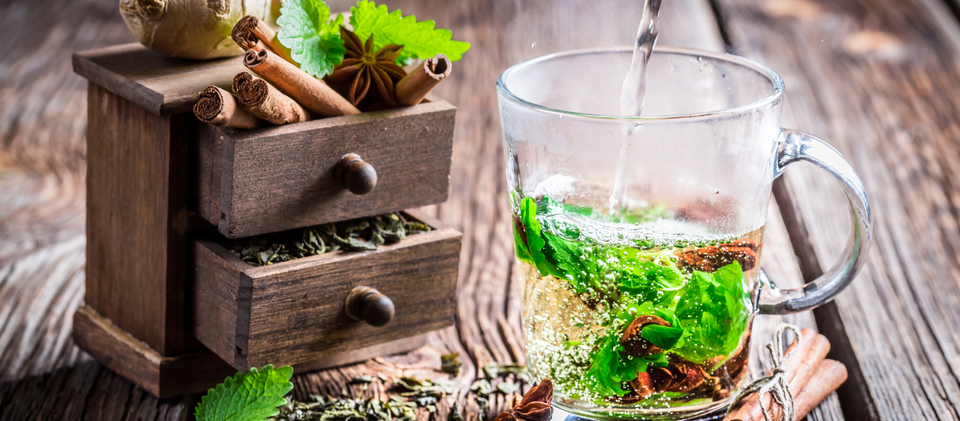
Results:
[137, 317]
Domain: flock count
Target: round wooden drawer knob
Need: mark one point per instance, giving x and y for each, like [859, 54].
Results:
[369, 305]
[355, 174]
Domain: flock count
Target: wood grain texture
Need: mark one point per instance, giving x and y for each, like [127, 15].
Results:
[137, 220]
[878, 80]
[156, 83]
[292, 312]
[42, 166]
[281, 178]
[133, 359]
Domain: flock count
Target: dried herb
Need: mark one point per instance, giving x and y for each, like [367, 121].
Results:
[353, 235]
[535, 405]
[450, 364]
[337, 409]
[508, 388]
[363, 67]
[456, 414]
[481, 387]
[415, 388]
[484, 405]
[494, 370]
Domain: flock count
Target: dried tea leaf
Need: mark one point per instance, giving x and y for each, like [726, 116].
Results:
[362, 379]
[410, 383]
[353, 235]
[450, 364]
[481, 387]
[508, 388]
[494, 370]
[427, 400]
[456, 414]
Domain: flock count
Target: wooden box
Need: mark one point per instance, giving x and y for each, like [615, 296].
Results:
[168, 307]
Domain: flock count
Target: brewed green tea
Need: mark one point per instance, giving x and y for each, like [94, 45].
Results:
[648, 311]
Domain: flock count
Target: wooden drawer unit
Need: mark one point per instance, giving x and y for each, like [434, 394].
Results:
[252, 182]
[172, 310]
[294, 312]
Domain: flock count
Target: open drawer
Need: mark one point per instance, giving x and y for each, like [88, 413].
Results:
[251, 182]
[294, 312]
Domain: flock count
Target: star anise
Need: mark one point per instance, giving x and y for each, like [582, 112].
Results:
[535, 405]
[362, 67]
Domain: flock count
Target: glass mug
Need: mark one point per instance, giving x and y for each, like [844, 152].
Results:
[639, 238]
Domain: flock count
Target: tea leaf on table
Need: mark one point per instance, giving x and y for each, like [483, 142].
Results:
[481, 387]
[450, 364]
[422, 388]
[253, 396]
[362, 380]
[456, 414]
[508, 388]
[494, 370]
[312, 37]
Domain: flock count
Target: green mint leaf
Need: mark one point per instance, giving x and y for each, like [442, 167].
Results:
[535, 242]
[714, 309]
[662, 336]
[419, 39]
[313, 39]
[253, 396]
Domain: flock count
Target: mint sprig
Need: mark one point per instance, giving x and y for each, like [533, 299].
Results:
[312, 37]
[419, 39]
[253, 396]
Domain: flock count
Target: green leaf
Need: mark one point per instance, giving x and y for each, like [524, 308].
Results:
[662, 336]
[714, 309]
[535, 243]
[247, 397]
[419, 39]
[313, 39]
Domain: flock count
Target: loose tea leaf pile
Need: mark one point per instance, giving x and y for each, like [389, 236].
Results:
[353, 235]
[347, 409]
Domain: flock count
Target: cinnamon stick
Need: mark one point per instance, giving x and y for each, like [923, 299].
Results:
[265, 101]
[250, 29]
[829, 376]
[310, 92]
[797, 369]
[217, 106]
[418, 83]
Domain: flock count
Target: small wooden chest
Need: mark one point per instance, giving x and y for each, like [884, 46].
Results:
[169, 308]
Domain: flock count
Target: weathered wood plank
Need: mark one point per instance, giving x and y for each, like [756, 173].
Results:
[878, 80]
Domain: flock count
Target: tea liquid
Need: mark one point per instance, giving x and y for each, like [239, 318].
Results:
[617, 316]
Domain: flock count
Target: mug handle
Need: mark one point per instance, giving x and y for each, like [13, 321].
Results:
[798, 146]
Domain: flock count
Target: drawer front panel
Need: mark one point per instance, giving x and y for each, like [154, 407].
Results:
[258, 181]
[293, 312]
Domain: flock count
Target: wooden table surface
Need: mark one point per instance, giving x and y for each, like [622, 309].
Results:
[879, 79]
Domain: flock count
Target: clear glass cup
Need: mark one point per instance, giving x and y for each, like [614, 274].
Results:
[639, 238]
